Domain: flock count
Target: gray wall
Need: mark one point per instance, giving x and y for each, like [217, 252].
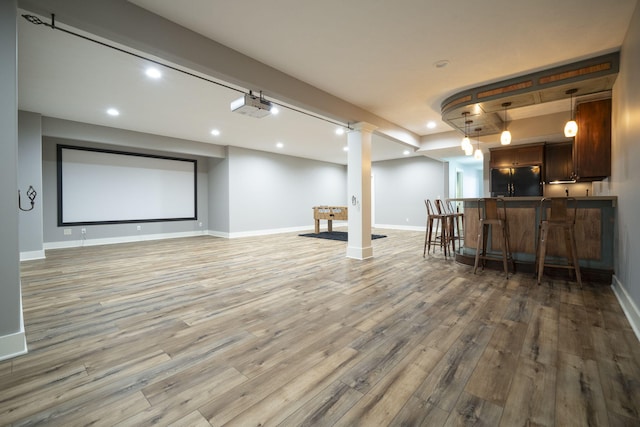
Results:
[219, 196]
[30, 173]
[270, 191]
[55, 234]
[11, 335]
[400, 187]
[625, 172]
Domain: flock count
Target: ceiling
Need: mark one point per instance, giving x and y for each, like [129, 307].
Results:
[378, 55]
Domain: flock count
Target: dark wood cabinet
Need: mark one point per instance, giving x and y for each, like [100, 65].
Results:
[592, 145]
[529, 155]
[558, 162]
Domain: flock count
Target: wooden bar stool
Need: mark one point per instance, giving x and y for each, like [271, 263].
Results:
[489, 217]
[435, 221]
[555, 213]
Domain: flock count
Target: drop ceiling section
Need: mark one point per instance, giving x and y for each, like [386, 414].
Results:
[485, 104]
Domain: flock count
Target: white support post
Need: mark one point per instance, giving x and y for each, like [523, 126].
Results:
[359, 191]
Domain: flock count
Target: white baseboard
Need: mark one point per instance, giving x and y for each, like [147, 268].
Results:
[628, 306]
[31, 255]
[400, 227]
[123, 239]
[254, 233]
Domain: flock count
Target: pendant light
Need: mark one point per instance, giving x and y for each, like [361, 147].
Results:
[505, 138]
[571, 128]
[478, 153]
[466, 142]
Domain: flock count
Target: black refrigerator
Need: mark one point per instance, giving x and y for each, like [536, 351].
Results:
[519, 181]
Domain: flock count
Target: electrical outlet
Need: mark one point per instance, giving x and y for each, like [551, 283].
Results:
[83, 231]
[67, 232]
[139, 228]
[199, 224]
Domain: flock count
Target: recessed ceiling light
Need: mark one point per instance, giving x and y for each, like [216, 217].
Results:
[345, 148]
[215, 132]
[153, 73]
[279, 145]
[406, 152]
[113, 112]
[274, 110]
[431, 124]
[340, 131]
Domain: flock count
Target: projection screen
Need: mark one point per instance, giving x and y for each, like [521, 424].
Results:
[98, 186]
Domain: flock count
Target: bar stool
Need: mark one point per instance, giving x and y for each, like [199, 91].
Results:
[488, 216]
[448, 224]
[555, 214]
[435, 221]
[458, 222]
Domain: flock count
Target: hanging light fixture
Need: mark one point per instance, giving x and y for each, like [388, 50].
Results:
[571, 127]
[466, 142]
[505, 137]
[478, 153]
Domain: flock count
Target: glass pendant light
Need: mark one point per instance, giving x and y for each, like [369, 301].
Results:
[505, 137]
[468, 149]
[571, 127]
[478, 154]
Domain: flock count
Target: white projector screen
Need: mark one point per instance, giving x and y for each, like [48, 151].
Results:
[106, 187]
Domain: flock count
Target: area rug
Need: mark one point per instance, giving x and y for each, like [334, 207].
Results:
[336, 235]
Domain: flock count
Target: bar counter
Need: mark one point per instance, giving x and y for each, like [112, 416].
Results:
[594, 230]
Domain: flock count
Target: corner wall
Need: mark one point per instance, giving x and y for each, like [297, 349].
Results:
[271, 193]
[625, 174]
[402, 185]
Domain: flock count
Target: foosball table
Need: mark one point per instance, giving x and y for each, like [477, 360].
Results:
[329, 213]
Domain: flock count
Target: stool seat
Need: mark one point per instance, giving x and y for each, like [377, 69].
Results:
[558, 213]
[493, 213]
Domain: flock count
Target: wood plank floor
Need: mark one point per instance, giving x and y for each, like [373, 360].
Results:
[285, 330]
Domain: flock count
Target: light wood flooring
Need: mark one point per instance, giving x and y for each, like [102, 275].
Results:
[285, 330]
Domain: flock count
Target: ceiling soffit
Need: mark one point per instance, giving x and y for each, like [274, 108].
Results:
[484, 103]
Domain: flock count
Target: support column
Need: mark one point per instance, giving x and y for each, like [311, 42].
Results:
[359, 191]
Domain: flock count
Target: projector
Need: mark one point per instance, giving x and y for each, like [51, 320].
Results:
[251, 105]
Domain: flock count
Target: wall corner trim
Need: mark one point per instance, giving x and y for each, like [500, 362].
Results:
[628, 306]
[32, 255]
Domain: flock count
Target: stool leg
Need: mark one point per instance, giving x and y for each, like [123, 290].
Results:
[505, 249]
[485, 238]
[478, 246]
[429, 234]
[508, 246]
[543, 249]
[426, 238]
[574, 255]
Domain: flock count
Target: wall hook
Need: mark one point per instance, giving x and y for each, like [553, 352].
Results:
[31, 194]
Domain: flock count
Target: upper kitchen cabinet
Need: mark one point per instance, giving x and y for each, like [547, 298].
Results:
[592, 145]
[529, 155]
[558, 162]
